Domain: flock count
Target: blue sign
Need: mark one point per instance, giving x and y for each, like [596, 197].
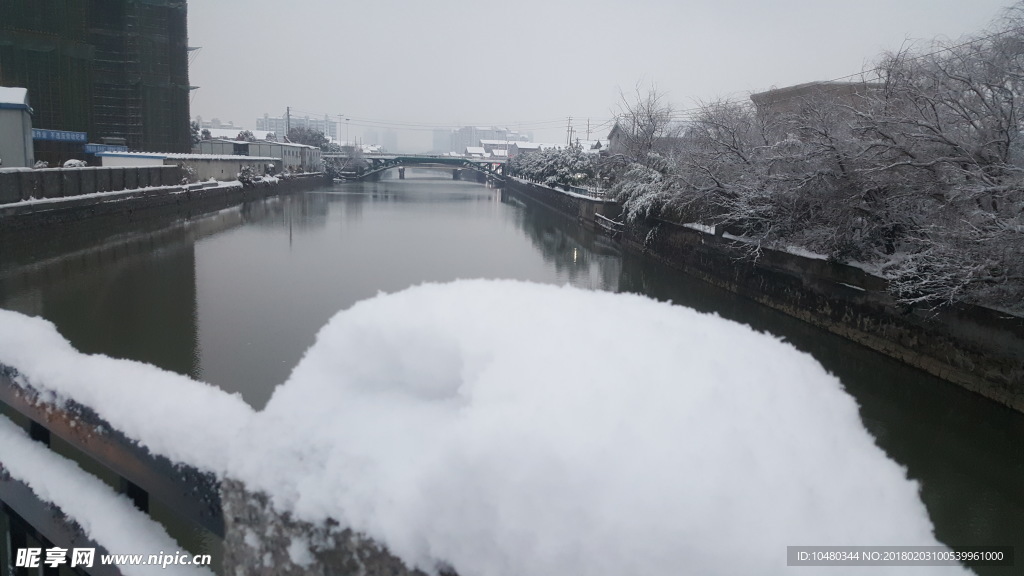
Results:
[100, 148]
[59, 135]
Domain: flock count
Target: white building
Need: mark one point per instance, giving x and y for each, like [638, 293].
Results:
[294, 157]
[206, 166]
[220, 147]
[518, 148]
[15, 129]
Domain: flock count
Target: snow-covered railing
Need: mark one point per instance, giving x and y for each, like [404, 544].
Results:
[192, 495]
[595, 192]
[611, 227]
[591, 191]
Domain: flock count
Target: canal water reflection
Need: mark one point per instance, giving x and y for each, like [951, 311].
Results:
[236, 297]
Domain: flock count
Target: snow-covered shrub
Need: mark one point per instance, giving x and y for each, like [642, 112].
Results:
[189, 174]
[566, 167]
[248, 176]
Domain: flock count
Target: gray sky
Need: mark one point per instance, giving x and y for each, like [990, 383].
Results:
[527, 64]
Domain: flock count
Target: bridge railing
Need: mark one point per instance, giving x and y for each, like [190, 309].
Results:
[597, 193]
[191, 496]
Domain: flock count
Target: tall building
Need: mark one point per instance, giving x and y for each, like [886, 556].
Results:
[113, 69]
[443, 141]
[389, 140]
[327, 126]
[470, 136]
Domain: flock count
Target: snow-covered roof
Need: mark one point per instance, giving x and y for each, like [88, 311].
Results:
[232, 133]
[496, 142]
[475, 150]
[225, 141]
[11, 97]
[500, 152]
[537, 146]
[178, 156]
[286, 144]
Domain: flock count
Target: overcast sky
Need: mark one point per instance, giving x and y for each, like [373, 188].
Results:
[526, 64]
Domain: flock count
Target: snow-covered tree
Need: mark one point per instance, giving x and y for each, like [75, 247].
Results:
[644, 120]
[307, 136]
[919, 174]
[569, 166]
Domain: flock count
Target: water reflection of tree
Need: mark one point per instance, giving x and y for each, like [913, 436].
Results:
[587, 259]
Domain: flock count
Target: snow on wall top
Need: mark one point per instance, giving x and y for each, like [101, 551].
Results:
[182, 156]
[13, 97]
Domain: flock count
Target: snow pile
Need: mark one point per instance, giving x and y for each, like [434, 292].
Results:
[108, 518]
[509, 429]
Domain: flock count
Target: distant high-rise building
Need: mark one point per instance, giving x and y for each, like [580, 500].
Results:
[390, 141]
[470, 136]
[113, 69]
[277, 125]
[443, 141]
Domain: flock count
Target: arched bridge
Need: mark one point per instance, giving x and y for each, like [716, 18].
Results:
[380, 162]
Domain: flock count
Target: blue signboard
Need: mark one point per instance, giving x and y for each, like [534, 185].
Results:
[59, 135]
[100, 148]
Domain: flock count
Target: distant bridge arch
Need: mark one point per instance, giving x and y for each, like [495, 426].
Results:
[381, 162]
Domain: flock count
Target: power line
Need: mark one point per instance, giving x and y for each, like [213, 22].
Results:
[680, 115]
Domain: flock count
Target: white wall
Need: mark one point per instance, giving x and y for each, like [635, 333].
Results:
[16, 138]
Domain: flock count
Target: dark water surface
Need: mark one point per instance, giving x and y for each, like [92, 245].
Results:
[236, 297]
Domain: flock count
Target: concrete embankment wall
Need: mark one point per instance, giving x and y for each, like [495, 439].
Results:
[143, 197]
[574, 206]
[978, 348]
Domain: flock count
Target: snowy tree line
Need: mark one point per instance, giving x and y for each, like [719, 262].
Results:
[569, 166]
[919, 174]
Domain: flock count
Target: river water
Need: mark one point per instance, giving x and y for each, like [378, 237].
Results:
[236, 297]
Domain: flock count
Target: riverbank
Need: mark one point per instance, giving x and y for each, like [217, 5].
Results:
[36, 213]
[585, 209]
[977, 348]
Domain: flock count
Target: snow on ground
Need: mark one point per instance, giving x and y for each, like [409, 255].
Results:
[106, 517]
[509, 428]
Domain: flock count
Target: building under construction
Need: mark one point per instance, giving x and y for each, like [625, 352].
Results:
[114, 69]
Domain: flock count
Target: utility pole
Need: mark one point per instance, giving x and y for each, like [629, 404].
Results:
[568, 132]
[588, 129]
[287, 122]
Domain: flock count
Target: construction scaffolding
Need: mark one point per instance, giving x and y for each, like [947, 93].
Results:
[115, 69]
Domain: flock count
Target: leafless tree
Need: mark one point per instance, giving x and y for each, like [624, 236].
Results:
[644, 119]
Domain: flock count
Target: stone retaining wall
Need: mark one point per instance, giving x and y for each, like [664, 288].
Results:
[191, 199]
[978, 348]
[17, 184]
[572, 205]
